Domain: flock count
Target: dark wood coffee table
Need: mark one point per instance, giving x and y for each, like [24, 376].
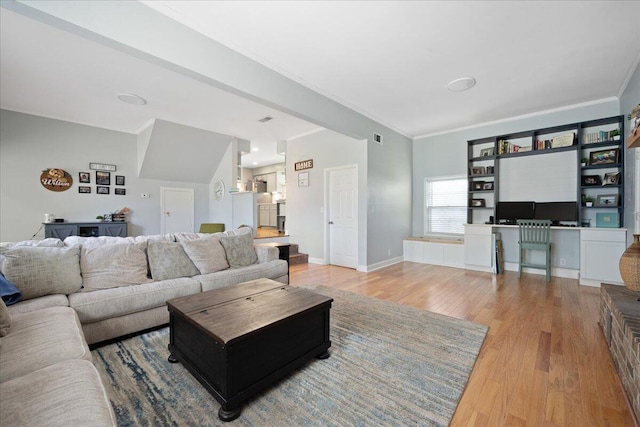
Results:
[239, 339]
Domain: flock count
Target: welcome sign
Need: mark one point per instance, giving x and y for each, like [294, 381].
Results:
[56, 179]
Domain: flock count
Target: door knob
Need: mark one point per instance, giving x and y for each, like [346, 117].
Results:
[167, 213]
[330, 222]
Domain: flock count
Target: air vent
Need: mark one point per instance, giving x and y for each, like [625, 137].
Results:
[265, 119]
[377, 138]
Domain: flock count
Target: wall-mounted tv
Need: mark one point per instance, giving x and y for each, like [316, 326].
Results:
[510, 212]
[557, 211]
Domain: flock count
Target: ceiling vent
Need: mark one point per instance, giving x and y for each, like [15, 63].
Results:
[265, 119]
[377, 138]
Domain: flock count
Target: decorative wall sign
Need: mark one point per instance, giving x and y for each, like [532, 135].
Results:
[305, 164]
[102, 167]
[56, 179]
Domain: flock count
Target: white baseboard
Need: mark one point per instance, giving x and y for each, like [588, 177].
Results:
[320, 261]
[381, 264]
[567, 273]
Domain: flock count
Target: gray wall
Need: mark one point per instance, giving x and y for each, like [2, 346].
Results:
[628, 101]
[305, 221]
[30, 144]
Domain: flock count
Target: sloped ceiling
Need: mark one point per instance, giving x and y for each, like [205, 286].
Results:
[168, 152]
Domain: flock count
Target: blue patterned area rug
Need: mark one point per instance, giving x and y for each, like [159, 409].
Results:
[389, 365]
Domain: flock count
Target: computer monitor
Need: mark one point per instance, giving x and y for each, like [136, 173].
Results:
[509, 212]
[557, 211]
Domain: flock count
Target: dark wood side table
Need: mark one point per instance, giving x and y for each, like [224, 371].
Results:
[283, 248]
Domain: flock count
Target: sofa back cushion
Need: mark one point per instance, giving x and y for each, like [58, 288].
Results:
[239, 250]
[112, 266]
[206, 253]
[5, 320]
[38, 271]
[168, 260]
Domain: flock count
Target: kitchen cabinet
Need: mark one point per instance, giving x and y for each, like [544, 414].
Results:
[273, 215]
[271, 182]
[268, 215]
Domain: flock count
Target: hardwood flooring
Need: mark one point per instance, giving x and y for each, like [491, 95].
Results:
[544, 362]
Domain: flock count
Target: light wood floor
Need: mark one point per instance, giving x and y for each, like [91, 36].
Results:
[544, 362]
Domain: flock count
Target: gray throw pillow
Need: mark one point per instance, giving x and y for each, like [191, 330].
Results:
[5, 320]
[113, 266]
[39, 271]
[239, 249]
[206, 253]
[168, 260]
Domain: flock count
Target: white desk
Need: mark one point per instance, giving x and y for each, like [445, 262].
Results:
[588, 254]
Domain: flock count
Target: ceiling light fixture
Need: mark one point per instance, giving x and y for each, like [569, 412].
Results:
[255, 149]
[131, 98]
[463, 83]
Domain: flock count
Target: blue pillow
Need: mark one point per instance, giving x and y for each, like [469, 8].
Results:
[9, 293]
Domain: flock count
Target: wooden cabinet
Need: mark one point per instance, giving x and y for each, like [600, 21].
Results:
[273, 215]
[478, 247]
[268, 215]
[62, 230]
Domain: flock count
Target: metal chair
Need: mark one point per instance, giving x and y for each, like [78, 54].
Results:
[534, 235]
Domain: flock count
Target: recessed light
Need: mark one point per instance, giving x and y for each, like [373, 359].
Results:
[255, 163]
[463, 83]
[131, 98]
[255, 149]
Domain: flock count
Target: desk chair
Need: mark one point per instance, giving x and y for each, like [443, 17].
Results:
[534, 235]
[211, 228]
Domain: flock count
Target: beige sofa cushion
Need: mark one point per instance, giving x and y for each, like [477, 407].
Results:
[206, 253]
[92, 242]
[69, 393]
[268, 270]
[38, 271]
[39, 339]
[168, 260]
[57, 300]
[239, 250]
[5, 319]
[108, 303]
[112, 266]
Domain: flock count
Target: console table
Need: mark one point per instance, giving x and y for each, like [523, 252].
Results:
[62, 230]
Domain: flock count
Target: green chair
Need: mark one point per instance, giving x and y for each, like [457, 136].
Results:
[211, 227]
[534, 235]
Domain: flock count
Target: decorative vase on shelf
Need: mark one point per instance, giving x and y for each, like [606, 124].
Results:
[630, 265]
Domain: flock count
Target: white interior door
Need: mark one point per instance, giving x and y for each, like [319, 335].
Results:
[343, 216]
[177, 210]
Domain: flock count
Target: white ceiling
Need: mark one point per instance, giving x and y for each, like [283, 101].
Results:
[389, 60]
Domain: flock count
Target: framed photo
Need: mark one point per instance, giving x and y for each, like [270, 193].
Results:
[489, 170]
[604, 157]
[606, 200]
[477, 203]
[120, 191]
[102, 190]
[84, 190]
[103, 178]
[480, 170]
[486, 152]
[303, 179]
[84, 177]
[119, 179]
[487, 185]
[477, 185]
[607, 220]
[588, 180]
[611, 178]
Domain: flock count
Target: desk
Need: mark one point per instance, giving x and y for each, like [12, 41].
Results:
[585, 253]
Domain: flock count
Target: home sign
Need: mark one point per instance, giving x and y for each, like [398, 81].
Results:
[56, 179]
[305, 164]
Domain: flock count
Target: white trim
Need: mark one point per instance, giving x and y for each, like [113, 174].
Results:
[523, 116]
[319, 261]
[381, 264]
[555, 271]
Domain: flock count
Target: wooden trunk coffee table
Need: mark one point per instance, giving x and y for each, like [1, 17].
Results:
[239, 339]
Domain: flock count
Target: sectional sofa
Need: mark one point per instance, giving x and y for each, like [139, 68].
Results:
[86, 290]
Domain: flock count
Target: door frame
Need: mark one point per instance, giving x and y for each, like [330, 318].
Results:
[162, 207]
[326, 209]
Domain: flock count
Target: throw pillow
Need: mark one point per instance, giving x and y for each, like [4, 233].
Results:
[239, 249]
[206, 253]
[8, 291]
[113, 266]
[5, 320]
[39, 271]
[168, 260]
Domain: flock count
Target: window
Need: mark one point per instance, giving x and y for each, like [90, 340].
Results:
[445, 205]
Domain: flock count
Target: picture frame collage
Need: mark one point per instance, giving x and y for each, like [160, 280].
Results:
[102, 181]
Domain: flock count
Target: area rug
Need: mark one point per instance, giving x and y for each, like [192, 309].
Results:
[389, 365]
